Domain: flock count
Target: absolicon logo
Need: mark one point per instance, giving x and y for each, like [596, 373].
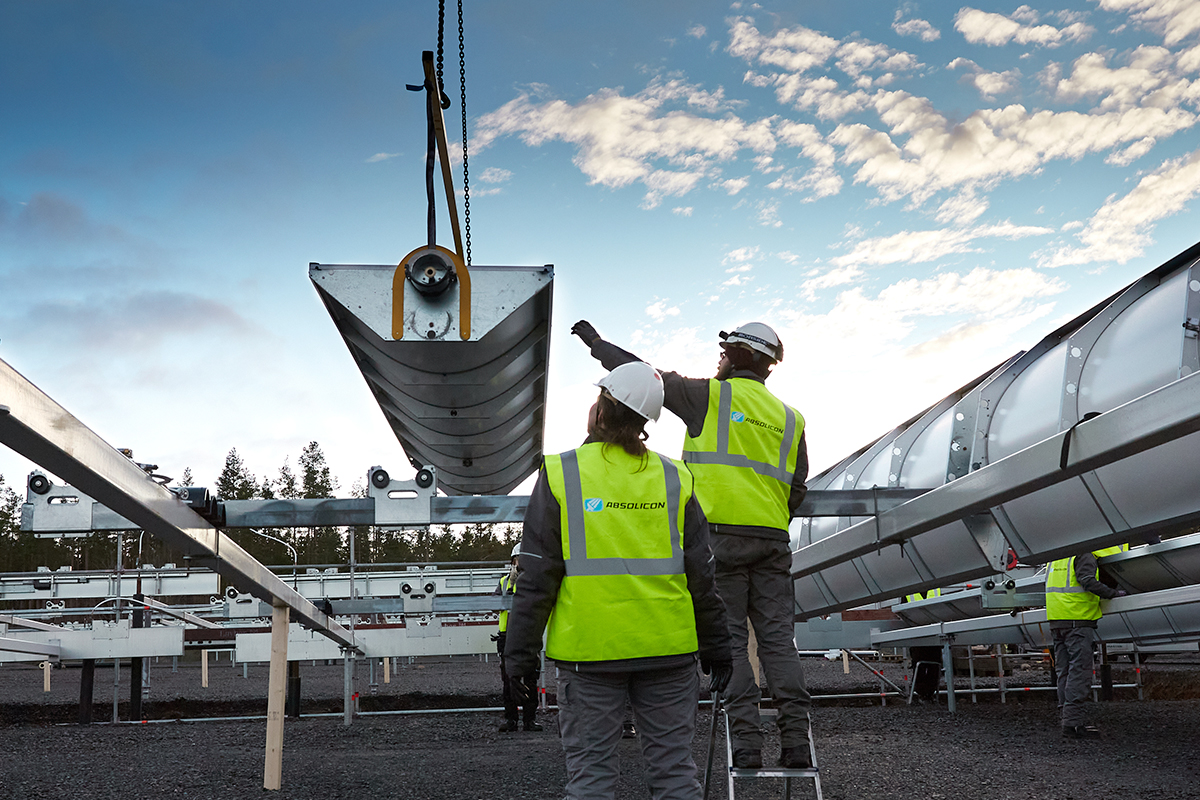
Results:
[737, 416]
[593, 504]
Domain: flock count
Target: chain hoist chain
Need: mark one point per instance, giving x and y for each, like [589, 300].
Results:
[441, 36]
[462, 78]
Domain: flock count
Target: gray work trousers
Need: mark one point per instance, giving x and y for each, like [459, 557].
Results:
[1073, 662]
[591, 710]
[754, 579]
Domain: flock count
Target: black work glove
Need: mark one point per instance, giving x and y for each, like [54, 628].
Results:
[1121, 593]
[500, 639]
[721, 672]
[524, 688]
[584, 330]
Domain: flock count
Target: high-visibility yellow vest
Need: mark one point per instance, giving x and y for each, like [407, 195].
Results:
[624, 593]
[507, 587]
[912, 598]
[1065, 598]
[745, 456]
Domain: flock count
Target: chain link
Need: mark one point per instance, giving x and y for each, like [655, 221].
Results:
[462, 77]
[441, 36]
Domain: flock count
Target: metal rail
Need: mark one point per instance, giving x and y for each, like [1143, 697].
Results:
[40, 429]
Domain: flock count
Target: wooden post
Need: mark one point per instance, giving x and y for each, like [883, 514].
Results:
[845, 662]
[46, 677]
[387, 669]
[276, 696]
[204, 668]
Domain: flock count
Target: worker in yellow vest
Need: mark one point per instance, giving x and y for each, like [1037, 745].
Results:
[747, 451]
[1073, 594]
[616, 569]
[512, 718]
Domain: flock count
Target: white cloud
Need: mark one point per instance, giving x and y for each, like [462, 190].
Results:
[637, 138]
[988, 145]
[838, 276]
[1174, 19]
[683, 211]
[988, 84]
[962, 209]
[768, 215]
[915, 27]
[380, 157]
[1132, 153]
[1149, 79]
[697, 31]
[1121, 229]
[659, 310]
[735, 185]
[741, 255]
[495, 175]
[915, 247]
[985, 27]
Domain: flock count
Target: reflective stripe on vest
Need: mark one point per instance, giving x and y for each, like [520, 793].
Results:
[578, 562]
[506, 589]
[1065, 598]
[745, 462]
[624, 593]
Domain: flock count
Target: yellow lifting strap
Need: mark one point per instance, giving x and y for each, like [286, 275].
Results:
[456, 257]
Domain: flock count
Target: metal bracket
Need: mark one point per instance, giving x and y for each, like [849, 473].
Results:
[402, 503]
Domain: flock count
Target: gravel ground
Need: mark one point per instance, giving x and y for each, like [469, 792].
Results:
[985, 750]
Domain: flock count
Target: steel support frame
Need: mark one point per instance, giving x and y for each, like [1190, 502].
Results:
[35, 426]
[1161, 416]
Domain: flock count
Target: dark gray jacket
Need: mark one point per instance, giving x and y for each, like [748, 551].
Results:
[1085, 576]
[687, 398]
[541, 573]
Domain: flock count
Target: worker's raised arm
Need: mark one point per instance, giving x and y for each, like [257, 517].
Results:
[686, 398]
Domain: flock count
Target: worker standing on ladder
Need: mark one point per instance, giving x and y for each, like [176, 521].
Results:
[512, 719]
[747, 451]
[615, 558]
[1073, 593]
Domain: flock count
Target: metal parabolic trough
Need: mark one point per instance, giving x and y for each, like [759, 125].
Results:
[1016, 459]
[464, 392]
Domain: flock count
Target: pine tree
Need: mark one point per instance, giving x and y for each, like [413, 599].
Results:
[236, 481]
[315, 480]
[322, 545]
[186, 479]
[285, 484]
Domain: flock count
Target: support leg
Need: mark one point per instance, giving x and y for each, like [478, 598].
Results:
[948, 669]
[293, 689]
[348, 690]
[276, 691]
[87, 678]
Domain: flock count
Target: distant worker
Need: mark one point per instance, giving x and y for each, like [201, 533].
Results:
[508, 588]
[925, 660]
[1073, 594]
[747, 452]
[615, 558]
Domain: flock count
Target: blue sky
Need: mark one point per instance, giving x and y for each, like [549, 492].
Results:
[908, 192]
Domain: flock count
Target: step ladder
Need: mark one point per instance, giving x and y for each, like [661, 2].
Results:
[733, 772]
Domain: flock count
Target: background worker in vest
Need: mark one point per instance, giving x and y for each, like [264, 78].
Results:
[615, 558]
[925, 660]
[747, 452]
[508, 587]
[1073, 594]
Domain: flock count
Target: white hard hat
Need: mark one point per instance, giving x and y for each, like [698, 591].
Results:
[636, 385]
[756, 336]
[516, 551]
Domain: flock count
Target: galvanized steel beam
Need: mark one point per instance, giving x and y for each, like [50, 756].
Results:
[40, 429]
[1159, 417]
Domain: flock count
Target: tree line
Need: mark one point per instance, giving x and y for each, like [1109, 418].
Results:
[21, 551]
